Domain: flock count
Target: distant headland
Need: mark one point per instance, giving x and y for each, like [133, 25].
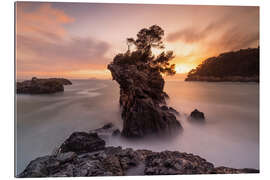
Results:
[234, 66]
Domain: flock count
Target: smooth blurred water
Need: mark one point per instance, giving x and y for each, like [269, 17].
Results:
[229, 137]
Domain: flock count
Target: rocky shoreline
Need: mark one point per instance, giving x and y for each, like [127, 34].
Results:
[42, 86]
[86, 154]
[223, 79]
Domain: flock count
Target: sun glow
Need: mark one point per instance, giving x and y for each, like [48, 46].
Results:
[90, 73]
[182, 68]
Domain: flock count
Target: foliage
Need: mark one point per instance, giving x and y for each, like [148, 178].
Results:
[148, 38]
[244, 62]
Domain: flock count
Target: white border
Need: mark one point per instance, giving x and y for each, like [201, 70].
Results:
[7, 87]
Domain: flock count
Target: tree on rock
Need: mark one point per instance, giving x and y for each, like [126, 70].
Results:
[138, 73]
[148, 38]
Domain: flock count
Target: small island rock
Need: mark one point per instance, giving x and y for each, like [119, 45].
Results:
[41, 86]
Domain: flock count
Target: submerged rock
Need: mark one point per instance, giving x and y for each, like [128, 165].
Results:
[41, 86]
[82, 159]
[142, 100]
[116, 132]
[106, 131]
[196, 115]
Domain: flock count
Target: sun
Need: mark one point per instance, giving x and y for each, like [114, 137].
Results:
[182, 68]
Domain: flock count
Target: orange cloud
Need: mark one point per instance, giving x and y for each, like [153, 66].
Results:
[44, 21]
[44, 47]
[234, 29]
[53, 38]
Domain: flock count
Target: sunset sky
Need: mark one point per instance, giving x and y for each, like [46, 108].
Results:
[78, 40]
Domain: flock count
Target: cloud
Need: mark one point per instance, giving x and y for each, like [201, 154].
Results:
[44, 45]
[229, 38]
[76, 48]
[54, 37]
[42, 21]
[234, 39]
[191, 34]
[71, 55]
[232, 28]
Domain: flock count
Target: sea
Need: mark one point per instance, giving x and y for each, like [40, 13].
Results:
[229, 136]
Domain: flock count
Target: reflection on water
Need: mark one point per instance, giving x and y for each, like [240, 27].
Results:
[229, 137]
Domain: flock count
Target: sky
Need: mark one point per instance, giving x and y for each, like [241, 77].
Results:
[79, 40]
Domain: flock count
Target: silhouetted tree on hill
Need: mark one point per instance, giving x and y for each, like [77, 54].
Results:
[244, 62]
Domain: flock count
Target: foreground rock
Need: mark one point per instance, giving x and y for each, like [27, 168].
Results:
[80, 142]
[197, 115]
[85, 154]
[142, 100]
[42, 86]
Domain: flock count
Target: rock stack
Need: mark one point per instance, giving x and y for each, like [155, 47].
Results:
[142, 100]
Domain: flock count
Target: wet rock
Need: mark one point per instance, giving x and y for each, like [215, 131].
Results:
[170, 109]
[196, 115]
[142, 100]
[41, 86]
[113, 165]
[107, 126]
[106, 131]
[115, 161]
[128, 158]
[40, 167]
[116, 132]
[64, 157]
[82, 142]
[168, 162]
